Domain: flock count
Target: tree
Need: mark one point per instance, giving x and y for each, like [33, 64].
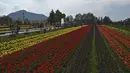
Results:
[55, 17]
[99, 20]
[84, 18]
[127, 21]
[19, 21]
[107, 20]
[63, 15]
[59, 16]
[90, 18]
[26, 22]
[51, 18]
[69, 18]
[78, 19]
[5, 20]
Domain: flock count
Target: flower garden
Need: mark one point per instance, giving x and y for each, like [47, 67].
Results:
[118, 41]
[20, 44]
[82, 49]
[43, 57]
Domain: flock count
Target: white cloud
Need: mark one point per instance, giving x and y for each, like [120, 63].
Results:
[70, 7]
[117, 1]
[4, 8]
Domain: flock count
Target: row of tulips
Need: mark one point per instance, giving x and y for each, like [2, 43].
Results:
[119, 36]
[20, 44]
[122, 32]
[4, 29]
[116, 46]
[127, 33]
[47, 48]
[27, 59]
[56, 59]
[45, 58]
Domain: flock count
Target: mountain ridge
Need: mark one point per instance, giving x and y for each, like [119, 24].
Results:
[27, 15]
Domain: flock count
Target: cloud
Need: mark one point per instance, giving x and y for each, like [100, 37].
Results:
[29, 5]
[117, 12]
[116, 1]
[70, 7]
[16, 8]
[4, 8]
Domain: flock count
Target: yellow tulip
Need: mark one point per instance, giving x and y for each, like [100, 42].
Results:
[20, 44]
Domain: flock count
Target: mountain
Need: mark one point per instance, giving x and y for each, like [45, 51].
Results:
[27, 15]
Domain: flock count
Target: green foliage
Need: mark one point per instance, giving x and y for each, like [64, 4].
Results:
[69, 18]
[58, 16]
[88, 18]
[51, 17]
[5, 20]
[26, 21]
[19, 21]
[55, 16]
[78, 18]
[107, 20]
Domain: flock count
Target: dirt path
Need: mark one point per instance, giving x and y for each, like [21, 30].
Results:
[106, 63]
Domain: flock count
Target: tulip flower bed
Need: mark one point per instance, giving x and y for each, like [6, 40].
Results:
[4, 29]
[106, 61]
[117, 47]
[122, 30]
[119, 36]
[20, 44]
[45, 57]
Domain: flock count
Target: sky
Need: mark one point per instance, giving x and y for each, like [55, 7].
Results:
[115, 9]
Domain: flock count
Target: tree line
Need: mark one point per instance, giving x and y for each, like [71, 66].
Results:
[56, 16]
[79, 18]
[7, 21]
